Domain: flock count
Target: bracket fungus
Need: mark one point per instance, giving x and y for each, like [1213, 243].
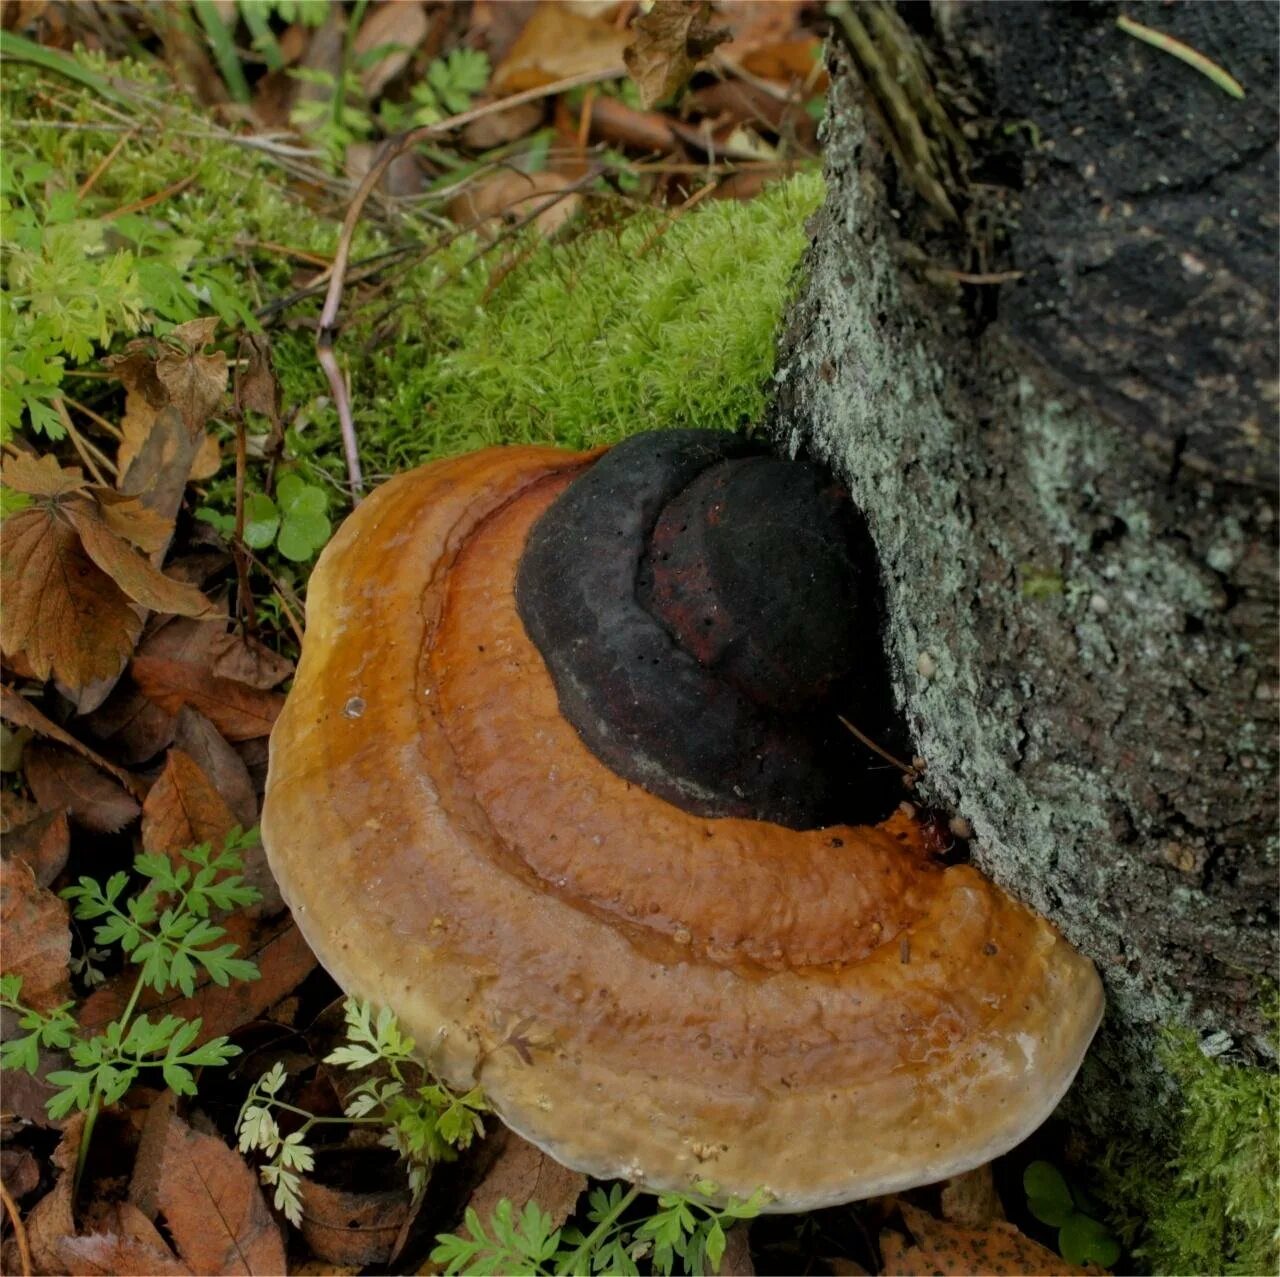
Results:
[555, 782]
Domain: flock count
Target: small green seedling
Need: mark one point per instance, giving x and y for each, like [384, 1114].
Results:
[684, 1228]
[425, 1123]
[166, 931]
[296, 523]
[1081, 1238]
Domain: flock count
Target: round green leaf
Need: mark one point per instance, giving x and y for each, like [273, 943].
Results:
[1083, 1240]
[1048, 1197]
[261, 521]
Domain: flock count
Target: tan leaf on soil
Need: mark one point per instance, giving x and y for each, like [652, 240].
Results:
[524, 1173]
[558, 42]
[225, 769]
[213, 1207]
[61, 611]
[403, 25]
[37, 936]
[131, 1247]
[127, 568]
[40, 476]
[196, 382]
[63, 781]
[239, 712]
[351, 1228]
[17, 709]
[183, 808]
[971, 1199]
[52, 1218]
[41, 844]
[669, 42]
[952, 1250]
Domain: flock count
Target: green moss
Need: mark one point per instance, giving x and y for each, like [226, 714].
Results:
[1206, 1199]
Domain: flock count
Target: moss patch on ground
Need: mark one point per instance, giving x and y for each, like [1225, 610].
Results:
[1206, 1199]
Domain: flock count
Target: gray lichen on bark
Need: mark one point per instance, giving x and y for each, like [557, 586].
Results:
[1082, 638]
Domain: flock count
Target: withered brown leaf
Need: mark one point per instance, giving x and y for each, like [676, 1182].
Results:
[37, 936]
[183, 808]
[213, 1207]
[239, 712]
[70, 569]
[670, 40]
[63, 781]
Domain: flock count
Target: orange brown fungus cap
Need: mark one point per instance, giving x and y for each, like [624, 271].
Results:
[644, 992]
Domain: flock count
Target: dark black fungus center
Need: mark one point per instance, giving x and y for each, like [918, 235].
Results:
[707, 611]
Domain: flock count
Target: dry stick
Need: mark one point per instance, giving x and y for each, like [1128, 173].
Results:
[327, 334]
[876, 749]
[101, 422]
[82, 445]
[138, 205]
[19, 1230]
[104, 164]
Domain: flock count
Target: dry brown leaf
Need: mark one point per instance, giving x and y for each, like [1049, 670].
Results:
[195, 381]
[20, 1171]
[183, 808]
[129, 725]
[213, 1207]
[503, 126]
[276, 946]
[69, 567]
[239, 712]
[669, 42]
[246, 660]
[971, 1199]
[403, 25]
[351, 1228]
[61, 611]
[102, 531]
[37, 936]
[196, 735]
[512, 196]
[15, 810]
[558, 42]
[258, 389]
[41, 476]
[131, 1246]
[736, 1261]
[17, 709]
[523, 1173]
[952, 1250]
[41, 844]
[52, 1218]
[63, 781]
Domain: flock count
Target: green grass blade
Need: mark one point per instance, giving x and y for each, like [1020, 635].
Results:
[1184, 53]
[16, 48]
[224, 50]
[255, 15]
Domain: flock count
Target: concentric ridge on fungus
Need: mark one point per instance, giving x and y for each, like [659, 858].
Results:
[824, 1013]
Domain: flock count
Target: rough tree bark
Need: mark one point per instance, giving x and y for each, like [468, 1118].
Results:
[1038, 340]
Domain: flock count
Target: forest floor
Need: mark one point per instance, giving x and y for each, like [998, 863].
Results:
[217, 335]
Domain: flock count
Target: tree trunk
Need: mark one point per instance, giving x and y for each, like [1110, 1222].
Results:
[1037, 339]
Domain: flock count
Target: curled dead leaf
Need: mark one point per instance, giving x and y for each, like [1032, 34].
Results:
[558, 42]
[239, 712]
[41, 844]
[352, 1227]
[183, 808]
[37, 936]
[669, 42]
[63, 781]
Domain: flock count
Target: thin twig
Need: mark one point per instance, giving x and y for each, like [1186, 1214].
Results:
[19, 1230]
[101, 422]
[104, 165]
[158, 198]
[82, 445]
[327, 334]
[876, 749]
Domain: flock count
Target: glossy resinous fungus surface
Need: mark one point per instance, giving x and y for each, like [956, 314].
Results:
[707, 610]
